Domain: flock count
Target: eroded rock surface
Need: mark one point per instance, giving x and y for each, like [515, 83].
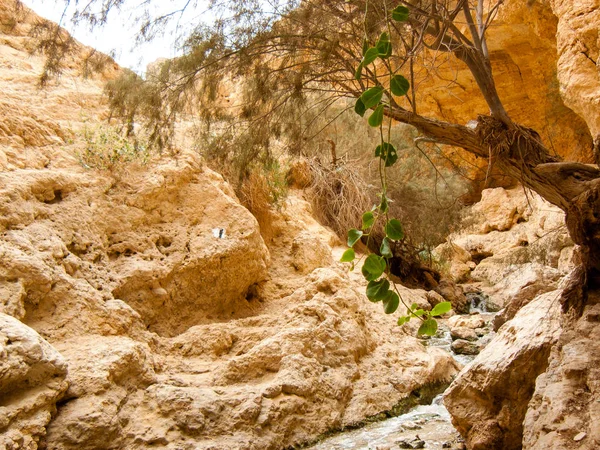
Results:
[488, 400]
[32, 381]
[565, 409]
[178, 327]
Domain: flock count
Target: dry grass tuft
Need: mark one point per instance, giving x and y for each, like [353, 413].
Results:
[339, 196]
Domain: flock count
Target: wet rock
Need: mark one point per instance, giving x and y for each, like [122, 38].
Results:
[411, 426]
[453, 294]
[464, 333]
[411, 443]
[463, 347]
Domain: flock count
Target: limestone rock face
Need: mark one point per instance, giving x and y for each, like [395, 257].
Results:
[32, 380]
[565, 408]
[488, 400]
[518, 243]
[578, 66]
[179, 327]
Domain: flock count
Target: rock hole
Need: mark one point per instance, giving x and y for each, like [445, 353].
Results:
[57, 198]
[479, 256]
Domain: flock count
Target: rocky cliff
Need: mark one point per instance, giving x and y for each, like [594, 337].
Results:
[141, 307]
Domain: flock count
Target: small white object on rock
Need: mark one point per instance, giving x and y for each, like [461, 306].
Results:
[219, 233]
[580, 437]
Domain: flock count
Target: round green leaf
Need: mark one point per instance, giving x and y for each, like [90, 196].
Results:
[394, 230]
[385, 250]
[400, 13]
[372, 97]
[419, 312]
[388, 153]
[441, 308]
[376, 118]
[402, 320]
[359, 108]
[384, 46]
[391, 302]
[373, 267]
[348, 255]
[368, 219]
[429, 327]
[353, 236]
[378, 290]
[399, 85]
[370, 55]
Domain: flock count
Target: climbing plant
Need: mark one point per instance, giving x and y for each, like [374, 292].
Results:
[376, 267]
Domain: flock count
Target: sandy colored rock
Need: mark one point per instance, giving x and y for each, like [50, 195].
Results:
[472, 321]
[488, 400]
[464, 333]
[454, 294]
[32, 381]
[579, 57]
[565, 408]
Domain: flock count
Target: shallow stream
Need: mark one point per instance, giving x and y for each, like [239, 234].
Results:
[426, 426]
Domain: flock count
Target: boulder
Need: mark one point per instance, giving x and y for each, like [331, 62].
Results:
[522, 286]
[32, 380]
[464, 347]
[488, 400]
[464, 333]
[454, 294]
[472, 321]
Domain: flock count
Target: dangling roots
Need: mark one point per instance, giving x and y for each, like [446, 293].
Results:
[515, 142]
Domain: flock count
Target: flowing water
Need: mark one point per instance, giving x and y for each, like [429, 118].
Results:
[426, 426]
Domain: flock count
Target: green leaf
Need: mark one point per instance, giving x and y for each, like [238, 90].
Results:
[386, 250]
[358, 73]
[429, 327]
[384, 46]
[373, 267]
[400, 14]
[394, 230]
[419, 312]
[372, 97]
[391, 302]
[399, 85]
[388, 153]
[376, 118]
[383, 206]
[368, 219]
[365, 46]
[359, 108]
[370, 55]
[348, 255]
[378, 290]
[402, 320]
[353, 236]
[441, 308]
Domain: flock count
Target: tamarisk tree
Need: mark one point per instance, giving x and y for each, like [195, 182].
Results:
[299, 57]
